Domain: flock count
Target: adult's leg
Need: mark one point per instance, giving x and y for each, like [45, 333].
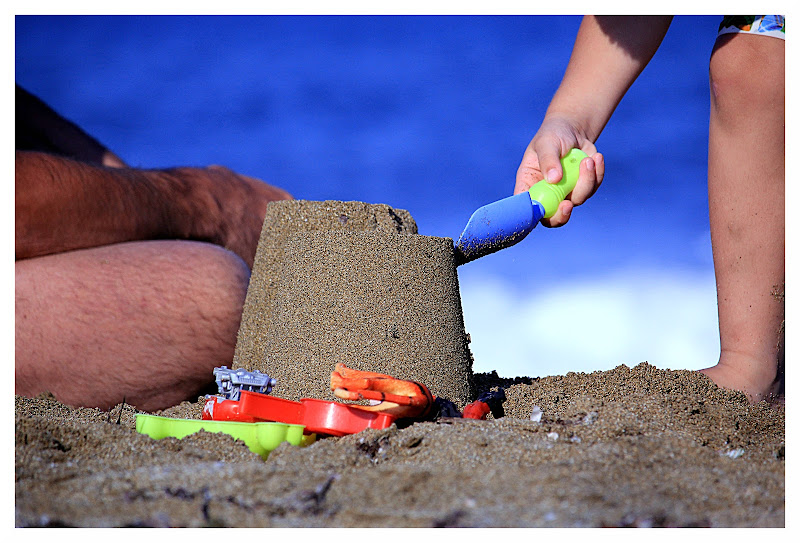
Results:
[746, 204]
[144, 321]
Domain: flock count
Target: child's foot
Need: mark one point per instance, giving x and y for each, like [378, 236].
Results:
[757, 380]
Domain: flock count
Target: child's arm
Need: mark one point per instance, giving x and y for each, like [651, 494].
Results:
[608, 56]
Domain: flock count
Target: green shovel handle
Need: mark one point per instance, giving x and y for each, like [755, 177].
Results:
[551, 194]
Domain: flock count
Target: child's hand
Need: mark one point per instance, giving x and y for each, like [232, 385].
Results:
[554, 139]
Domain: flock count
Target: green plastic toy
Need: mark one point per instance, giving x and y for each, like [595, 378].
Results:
[261, 437]
[552, 194]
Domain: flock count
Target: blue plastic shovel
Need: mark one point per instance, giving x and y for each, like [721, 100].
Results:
[506, 222]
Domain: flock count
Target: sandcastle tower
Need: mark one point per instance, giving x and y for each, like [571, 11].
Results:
[354, 283]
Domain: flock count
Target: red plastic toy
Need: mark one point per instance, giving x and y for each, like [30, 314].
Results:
[244, 398]
[318, 416]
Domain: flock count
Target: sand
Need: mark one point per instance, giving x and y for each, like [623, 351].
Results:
[375, 301]
[283, 220]
[353, 283]
[627, 447]
[634, 446]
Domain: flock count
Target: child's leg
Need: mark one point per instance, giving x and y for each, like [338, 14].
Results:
[144, 321]
[746, 204]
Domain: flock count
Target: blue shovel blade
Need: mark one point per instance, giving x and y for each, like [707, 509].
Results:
[498, 225]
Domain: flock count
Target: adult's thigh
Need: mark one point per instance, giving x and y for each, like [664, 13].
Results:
[142, 321]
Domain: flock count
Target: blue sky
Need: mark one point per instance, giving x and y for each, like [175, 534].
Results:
[432, 115]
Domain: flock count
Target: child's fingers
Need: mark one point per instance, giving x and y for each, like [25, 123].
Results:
[549, 153]
[587, 181]
[528, 171]
[561, 216]
[600, 167]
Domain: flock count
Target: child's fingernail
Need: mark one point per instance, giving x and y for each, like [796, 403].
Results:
[566, 213]
[552, 174]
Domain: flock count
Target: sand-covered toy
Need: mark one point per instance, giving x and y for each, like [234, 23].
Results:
[506, 222]
[261, 437]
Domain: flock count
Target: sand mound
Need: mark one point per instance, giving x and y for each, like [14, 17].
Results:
[627, 447]
[353, 283]
[282, 220]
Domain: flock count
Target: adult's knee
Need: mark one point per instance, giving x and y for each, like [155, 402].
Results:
[94, 326]
[202, 288]
[216, 278]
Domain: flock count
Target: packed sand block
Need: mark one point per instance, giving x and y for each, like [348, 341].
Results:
[354, 283]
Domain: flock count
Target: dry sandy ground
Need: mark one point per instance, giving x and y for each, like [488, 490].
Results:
[348, 281]
[628, 447]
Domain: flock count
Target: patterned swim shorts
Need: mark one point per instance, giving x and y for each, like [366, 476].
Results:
[763, 25]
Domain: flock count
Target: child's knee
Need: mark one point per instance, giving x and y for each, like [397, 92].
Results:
[747, 74]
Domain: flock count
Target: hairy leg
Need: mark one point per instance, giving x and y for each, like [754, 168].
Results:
[144, 321]
[746, 205]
